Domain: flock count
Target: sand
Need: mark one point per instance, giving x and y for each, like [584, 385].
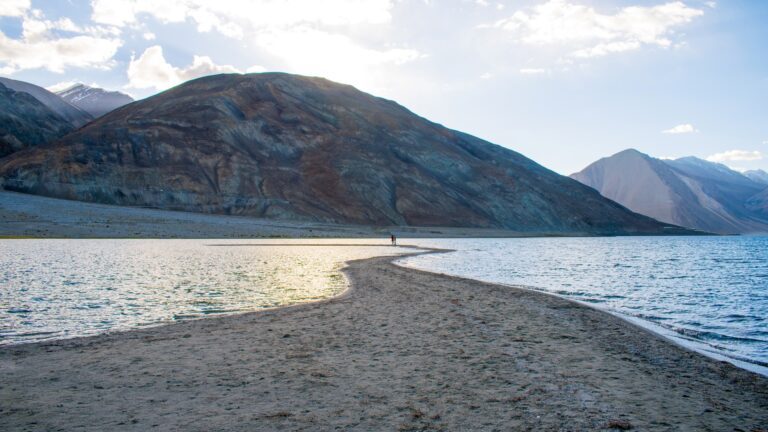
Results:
[401, 350]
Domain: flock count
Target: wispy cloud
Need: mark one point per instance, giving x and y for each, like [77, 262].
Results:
[15, 8]
[41, 44]
[533, 71]
[585, 32]
[681, 129]
[736, 155]
[302, 36]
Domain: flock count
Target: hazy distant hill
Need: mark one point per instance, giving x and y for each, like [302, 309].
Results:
[688, 191]
[758, 176]
[292, 147]
[62, 108]
[95, 101]
[26, 122]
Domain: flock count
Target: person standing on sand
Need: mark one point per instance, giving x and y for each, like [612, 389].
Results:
[393, 239]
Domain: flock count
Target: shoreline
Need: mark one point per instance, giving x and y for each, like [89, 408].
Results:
[33, 216]
[667, 334]
[400, 348]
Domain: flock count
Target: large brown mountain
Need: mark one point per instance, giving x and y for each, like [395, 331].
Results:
[26, 122]
[689, 192]
[285, 146]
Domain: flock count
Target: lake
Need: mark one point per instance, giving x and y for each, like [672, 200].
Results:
[708, 293]
[68, 288]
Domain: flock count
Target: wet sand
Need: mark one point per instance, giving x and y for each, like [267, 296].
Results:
[401, 350]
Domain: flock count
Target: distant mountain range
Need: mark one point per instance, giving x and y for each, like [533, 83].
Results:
[93, 100]
[292, 147]
[70, 113]
[758, 176]
[689, 192]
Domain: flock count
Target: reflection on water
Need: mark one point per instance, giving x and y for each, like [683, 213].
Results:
[709, 290]
[68, 288]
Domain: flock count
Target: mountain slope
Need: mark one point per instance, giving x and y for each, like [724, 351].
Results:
[285, 146]
[95, 101]
[757, 176]
[688, 191]
[75, 116]
[26, 122]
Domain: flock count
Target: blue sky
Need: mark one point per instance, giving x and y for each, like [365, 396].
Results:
[564, 82]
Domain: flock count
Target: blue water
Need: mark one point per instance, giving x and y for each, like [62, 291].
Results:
[709, 291]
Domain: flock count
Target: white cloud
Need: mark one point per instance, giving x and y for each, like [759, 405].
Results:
[334, 56]
[14, 8]
[151, 70]
[533, 71]
[38, 48]
[588, 33]
[486, 76]
[256, 69]
[148, 36]
[711, 4]
[331, 38]
[229, 17]
[681, 129]
[736, 155]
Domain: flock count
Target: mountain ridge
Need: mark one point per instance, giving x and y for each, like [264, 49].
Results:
[93, 100]
[27, 122]
[62, 108]
[292, 147]
[687, 191]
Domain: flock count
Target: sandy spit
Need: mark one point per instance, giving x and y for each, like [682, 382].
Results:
[402, 350]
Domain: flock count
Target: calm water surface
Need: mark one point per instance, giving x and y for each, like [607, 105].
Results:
[67, 288]
[712, 291]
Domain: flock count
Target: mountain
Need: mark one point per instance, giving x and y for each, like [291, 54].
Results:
[689, 192]
[26, 122]
[758, 176]
[75, 116]
[93, 100]
[292, 147]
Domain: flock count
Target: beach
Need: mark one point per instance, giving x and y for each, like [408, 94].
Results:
[402, 349]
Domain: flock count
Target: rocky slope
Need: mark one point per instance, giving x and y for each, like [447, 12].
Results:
[292, 147]
[689, 192]
[95, 101]
[26, 122]
[75, 116]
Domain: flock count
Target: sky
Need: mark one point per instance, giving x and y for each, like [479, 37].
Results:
[564, 82]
